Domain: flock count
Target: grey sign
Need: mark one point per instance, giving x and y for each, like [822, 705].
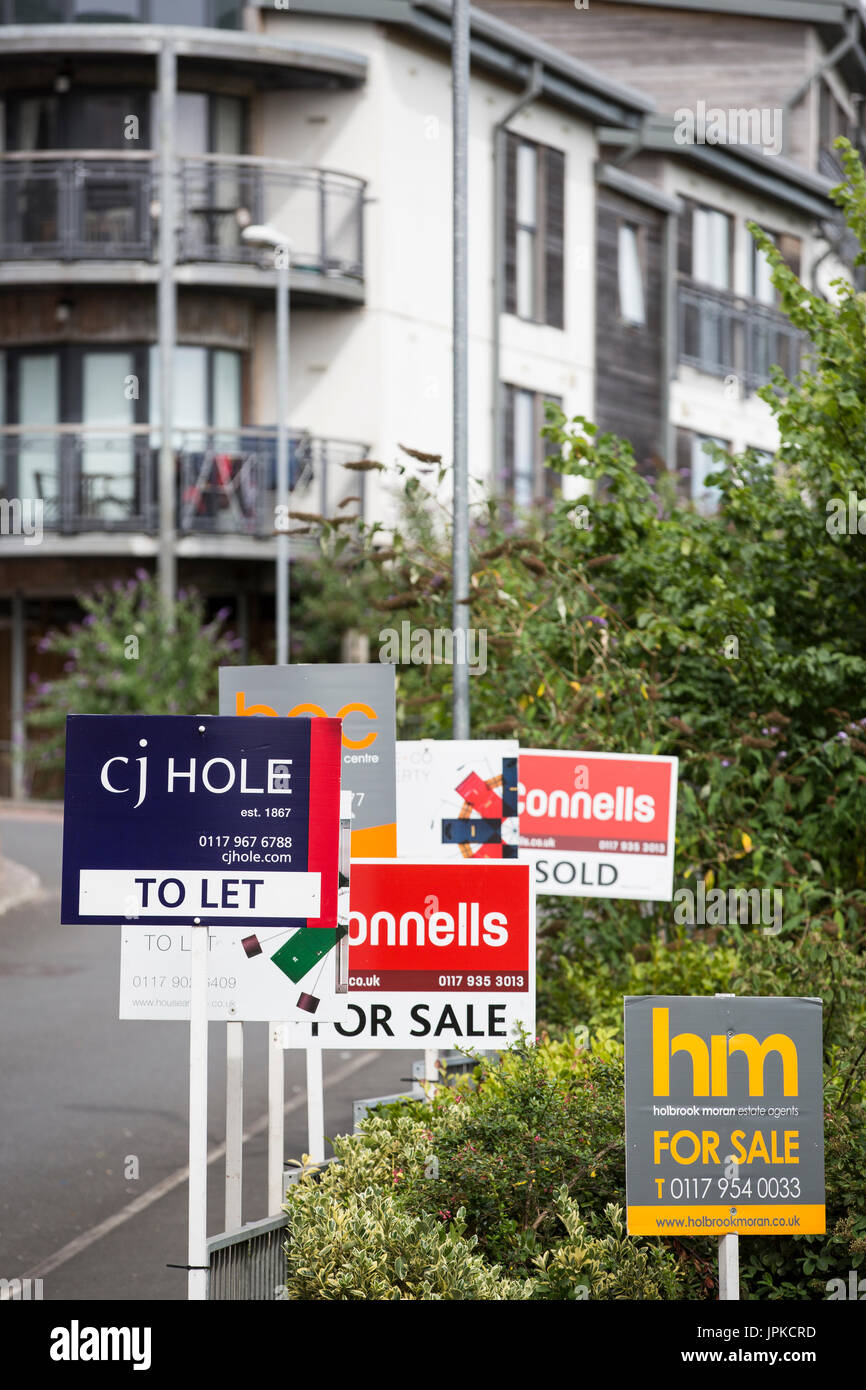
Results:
[724, 1115]
[363, 696]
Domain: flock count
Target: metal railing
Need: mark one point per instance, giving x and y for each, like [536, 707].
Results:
[86, 205]
[107, 480]
[223, 14]
[250, 1264]
[724, 334]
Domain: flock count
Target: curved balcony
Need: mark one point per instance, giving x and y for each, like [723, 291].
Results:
[90, 207]
[92, 480]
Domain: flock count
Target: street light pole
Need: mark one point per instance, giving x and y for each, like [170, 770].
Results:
[282, 258]
[279, 244]
[460, 519]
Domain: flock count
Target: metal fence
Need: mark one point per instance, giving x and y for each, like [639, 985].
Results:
[725, 334]
[250, 1264]
[101, 480]
[92, 206]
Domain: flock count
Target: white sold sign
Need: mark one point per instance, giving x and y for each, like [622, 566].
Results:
[598, 824]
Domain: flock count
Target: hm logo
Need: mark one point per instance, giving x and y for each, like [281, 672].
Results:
[710, 1064]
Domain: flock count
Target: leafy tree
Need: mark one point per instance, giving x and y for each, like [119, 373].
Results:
[126, 657]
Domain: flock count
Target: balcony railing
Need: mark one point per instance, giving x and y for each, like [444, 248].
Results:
[105, 480]
[725, 334]
[105, 207]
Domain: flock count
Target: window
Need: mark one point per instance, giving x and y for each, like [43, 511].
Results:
[82, 118]
[525, 479]
[694, 465]
[208, 388]
[534, 231]
[630, 274]
[761, 286]
[832, 119]
[712, 242]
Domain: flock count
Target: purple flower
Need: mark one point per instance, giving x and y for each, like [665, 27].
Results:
[43, 644]
[783, 754]
[89, 620]
[142, 576]
[69, 665]
[726, 762]
[842, 734]
[594, 618]
[221, 615]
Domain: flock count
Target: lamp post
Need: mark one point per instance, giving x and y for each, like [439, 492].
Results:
[275, 241]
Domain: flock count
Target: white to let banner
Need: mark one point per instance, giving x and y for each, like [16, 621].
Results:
[245, 983]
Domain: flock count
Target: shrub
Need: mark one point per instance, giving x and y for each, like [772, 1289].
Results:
[124, 657]
[588, 1264]
[363, 1245]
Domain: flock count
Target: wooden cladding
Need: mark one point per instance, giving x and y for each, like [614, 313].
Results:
[121, 315]
[629, 368]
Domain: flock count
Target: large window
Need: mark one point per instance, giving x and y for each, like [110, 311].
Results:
[106, 390]
[525, 479]
[534, 231]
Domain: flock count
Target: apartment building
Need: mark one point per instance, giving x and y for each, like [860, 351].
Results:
[749, 96]
[806, 60]
[610, 270]
[335, 130]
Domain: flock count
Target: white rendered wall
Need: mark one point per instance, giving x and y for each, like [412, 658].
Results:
[381, 373]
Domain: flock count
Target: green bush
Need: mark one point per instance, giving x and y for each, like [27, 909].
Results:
[362, 1245]
[127, 656]
[588, 1264]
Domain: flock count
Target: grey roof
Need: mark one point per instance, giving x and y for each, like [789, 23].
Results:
[499, 48]
[774, 176]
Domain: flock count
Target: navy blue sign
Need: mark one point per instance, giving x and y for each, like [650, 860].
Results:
[201, 819]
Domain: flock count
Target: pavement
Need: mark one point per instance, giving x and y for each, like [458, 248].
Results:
[93, 1111]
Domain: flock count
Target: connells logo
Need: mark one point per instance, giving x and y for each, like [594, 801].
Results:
[710, 1060]
[77, 1343]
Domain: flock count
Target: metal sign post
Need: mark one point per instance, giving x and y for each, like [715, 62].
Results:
[276, 1116]
[197, 1249]
[729, 1248]
[234, 1125]
[315, 1103]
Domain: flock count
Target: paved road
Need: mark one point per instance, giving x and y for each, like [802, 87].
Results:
[81, 1092]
